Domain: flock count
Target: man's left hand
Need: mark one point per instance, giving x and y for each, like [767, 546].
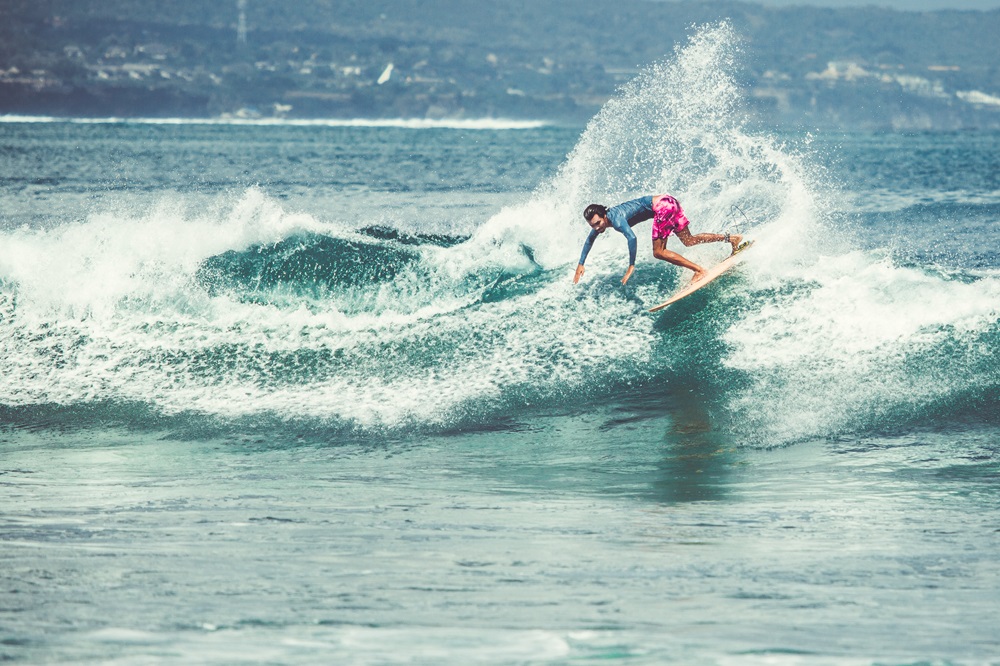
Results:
[628, 273]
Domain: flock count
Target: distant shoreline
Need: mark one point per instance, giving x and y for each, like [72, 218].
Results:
[469, 124]
[864, 68]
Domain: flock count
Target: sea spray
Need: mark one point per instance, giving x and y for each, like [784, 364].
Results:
[245, 309]
[678, 127]
[148, 310]
[852, 342]
[248, 308]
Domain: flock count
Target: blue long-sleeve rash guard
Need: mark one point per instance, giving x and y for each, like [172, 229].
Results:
[623, 217]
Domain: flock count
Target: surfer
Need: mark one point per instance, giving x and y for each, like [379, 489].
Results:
[667, 216]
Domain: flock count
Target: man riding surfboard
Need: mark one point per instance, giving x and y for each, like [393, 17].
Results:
[668, 217]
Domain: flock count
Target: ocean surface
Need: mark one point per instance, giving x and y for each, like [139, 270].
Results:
[325, 392]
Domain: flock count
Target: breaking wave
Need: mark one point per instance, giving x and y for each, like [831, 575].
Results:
[246, 310]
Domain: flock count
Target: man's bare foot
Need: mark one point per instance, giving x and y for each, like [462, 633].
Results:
[735, 241]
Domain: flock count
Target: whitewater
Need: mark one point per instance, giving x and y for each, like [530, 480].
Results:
[325, 390]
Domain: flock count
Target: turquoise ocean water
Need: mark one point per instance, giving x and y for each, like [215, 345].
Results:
[325, 393]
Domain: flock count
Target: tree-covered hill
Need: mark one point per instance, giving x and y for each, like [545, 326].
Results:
[556, 59]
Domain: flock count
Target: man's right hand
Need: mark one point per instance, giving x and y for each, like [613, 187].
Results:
[579, 274]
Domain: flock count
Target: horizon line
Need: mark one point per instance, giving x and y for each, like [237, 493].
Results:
[404, 123]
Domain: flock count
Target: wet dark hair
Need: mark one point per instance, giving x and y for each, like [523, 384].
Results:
[594, 209]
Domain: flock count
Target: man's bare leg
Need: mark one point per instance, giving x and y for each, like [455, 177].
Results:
[660, 251]
[690, 239]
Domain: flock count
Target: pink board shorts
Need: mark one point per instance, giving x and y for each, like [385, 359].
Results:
[668, 217]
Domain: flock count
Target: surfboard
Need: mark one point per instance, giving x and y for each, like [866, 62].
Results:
[711, 274]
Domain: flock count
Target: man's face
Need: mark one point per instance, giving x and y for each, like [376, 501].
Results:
[598, 223]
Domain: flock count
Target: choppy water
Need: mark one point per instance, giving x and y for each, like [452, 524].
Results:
[299, 393]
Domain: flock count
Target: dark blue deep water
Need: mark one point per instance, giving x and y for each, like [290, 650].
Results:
[324, 393]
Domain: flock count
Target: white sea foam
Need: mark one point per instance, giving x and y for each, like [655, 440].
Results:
[839, 329]
[87, 267]
[126, 285]
[113, 308]
[405, 123]
[110, 308]
[855, 340]
[678, 128]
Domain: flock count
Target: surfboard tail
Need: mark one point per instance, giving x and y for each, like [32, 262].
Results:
[713, 273]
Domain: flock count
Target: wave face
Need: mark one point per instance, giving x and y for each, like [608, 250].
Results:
[243, 309]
